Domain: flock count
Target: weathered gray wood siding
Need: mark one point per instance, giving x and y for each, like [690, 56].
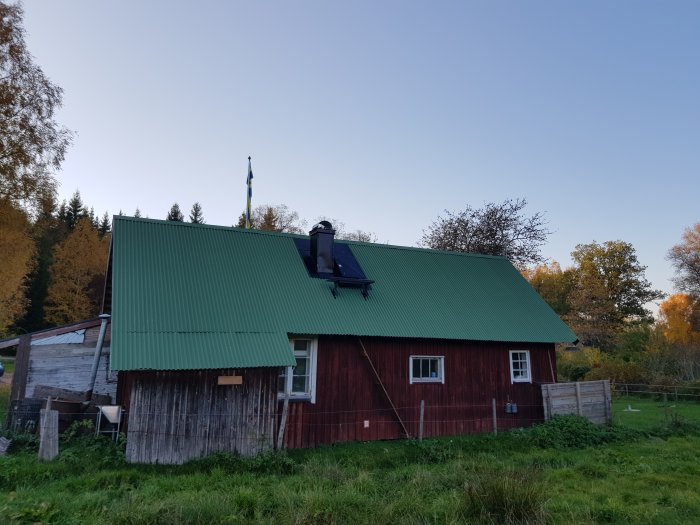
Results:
[174, 417]
[68, 366]
[590, 399]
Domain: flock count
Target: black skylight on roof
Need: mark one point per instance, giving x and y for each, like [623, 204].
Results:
[347, 272]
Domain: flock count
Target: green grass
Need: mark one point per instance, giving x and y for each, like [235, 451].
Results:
[9, 364]
[649, 477]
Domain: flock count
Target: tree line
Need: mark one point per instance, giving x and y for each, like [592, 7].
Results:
[36, 236]
[602, 296]
[53, 264]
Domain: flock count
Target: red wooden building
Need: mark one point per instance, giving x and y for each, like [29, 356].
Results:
[365, 390]
[215, 330]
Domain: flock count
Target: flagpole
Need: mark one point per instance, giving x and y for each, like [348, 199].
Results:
[249, 183]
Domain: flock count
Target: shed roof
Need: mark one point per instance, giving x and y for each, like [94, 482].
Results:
[190, 296]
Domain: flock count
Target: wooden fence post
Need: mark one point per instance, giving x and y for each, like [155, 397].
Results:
[19, 377]
[422, 413]
[493, 411]
[606, 402]
[579, 408]
[546, 402]
[285, 409]
[283, 423]
[48, 433]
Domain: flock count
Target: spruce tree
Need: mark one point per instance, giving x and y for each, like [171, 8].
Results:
[104, 227]
[175, 214]
[93, 218]
[48, 229]
[75, 211]
[137, 213]
[62, 215]
[196, 216]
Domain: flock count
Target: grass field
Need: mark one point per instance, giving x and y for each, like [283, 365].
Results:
[649, 474]
[648, 412]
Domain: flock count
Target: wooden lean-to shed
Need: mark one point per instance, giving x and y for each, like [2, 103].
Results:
[215, 330]
[58, 363]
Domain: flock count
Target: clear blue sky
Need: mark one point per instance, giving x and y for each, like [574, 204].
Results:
[383, 114]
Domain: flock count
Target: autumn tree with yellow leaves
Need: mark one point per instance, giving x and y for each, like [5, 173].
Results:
[77, 275]
[679, 319]
[553, 284]
[16, 261]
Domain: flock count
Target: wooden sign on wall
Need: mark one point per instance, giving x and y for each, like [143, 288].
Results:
[230, 380]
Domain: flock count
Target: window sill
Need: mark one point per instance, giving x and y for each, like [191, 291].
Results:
[419, 381]
[292, 399]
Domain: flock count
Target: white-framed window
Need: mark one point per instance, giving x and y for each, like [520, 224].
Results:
[520, 366]
[300, 380]
[426, 369]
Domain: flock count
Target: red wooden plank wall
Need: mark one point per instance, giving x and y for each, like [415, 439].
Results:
[350, 405]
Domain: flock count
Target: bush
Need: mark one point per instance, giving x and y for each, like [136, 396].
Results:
[226, 461]
[78, 429]
[573, 365]
[576, 432]
[676, 425]
[271, 463]
[506, 497]
[21, 442]
[619, 371]
[266, 463]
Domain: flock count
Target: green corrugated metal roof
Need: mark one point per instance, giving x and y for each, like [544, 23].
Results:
[188, 296]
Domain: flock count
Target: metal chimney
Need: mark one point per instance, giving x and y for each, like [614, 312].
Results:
[321, 236]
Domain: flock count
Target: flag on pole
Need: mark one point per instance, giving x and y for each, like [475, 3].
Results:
[249, 183]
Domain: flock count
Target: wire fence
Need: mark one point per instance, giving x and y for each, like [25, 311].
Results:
[24, 417]
[634, 405]
[675, 392]
[648, 407]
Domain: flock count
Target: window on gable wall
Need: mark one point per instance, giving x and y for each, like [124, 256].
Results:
[520, 366]
[427, 369]
[300, 380]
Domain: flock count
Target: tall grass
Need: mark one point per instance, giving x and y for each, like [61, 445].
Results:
[507, 497]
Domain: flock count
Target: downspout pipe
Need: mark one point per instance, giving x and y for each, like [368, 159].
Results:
[98, 352]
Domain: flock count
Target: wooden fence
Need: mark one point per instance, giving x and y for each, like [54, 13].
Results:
[590, 399]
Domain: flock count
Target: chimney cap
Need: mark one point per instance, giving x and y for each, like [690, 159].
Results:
[322, 225]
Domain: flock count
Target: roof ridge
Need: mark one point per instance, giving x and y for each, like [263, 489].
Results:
[180, 224]
[429, 250]
[160, 331]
